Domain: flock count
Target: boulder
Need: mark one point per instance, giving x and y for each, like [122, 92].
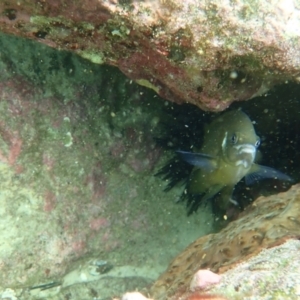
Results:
[206, 53]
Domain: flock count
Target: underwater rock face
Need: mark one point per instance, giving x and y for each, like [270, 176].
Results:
[206, 53]
[77, 186]
[268, 222]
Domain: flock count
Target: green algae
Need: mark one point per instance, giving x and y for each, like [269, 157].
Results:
[93, 56]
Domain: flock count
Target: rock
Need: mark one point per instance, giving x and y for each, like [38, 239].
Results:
[208, 54]
[272, 274]
[268, 222]
[76, 169]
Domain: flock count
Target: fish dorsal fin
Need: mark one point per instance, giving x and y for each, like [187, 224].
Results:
[200, 160]
[258, 172]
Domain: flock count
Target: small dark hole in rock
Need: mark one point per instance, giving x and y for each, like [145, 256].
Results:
[10, 13]
[199, 89]
[41, 34]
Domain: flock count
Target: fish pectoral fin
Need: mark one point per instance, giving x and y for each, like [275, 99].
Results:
[258, 172]
[203, 161]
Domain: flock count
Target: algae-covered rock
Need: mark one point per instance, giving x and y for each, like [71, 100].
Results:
[77, 158]
[206, 53]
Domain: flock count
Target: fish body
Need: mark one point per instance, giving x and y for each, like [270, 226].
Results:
[227, 155]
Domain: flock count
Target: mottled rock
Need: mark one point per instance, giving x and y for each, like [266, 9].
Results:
[206, 53]
[268, 222]
[271, 274]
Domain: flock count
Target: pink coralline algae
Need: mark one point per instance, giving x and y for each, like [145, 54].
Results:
[203, 279]
[99, 223]
[14, 144]
[96, 181]
[134, 296]
[49, 201]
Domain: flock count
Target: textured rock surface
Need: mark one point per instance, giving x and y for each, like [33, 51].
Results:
[76, 168]
[271, 274]
[268, 222]
[208, 53]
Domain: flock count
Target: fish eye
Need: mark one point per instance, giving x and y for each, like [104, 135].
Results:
[257, 143]
[234, 139]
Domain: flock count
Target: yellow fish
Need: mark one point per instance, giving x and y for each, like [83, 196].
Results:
[226, 156]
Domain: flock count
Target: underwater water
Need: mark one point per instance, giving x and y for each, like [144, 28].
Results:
[83, 215]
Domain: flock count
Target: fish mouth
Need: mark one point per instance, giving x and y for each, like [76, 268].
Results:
[245, 163]
[247, 154]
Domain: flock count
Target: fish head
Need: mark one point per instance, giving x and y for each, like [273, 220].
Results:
[239, 150]
[240, 143]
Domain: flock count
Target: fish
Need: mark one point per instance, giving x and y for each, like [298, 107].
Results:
[227, 155]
